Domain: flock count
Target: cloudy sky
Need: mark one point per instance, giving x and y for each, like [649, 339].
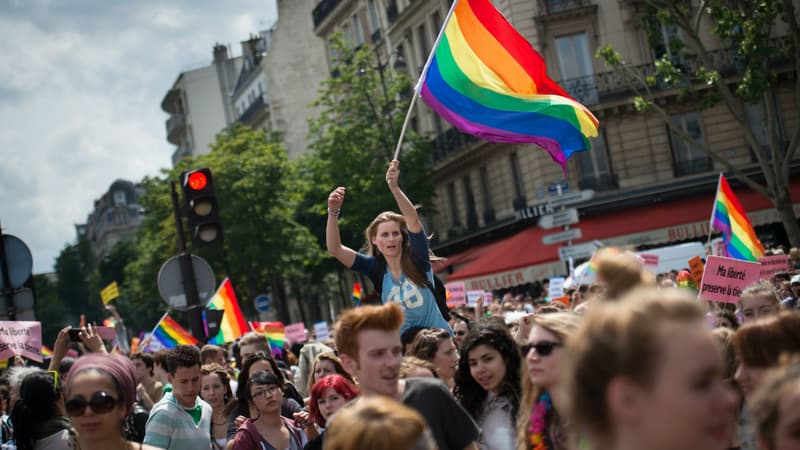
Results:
[81, 83]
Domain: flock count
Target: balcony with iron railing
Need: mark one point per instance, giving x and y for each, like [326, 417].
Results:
[561, 6]
[619, 83]
[449, 143]
[258, 106]
[323, 10]
[176, 126]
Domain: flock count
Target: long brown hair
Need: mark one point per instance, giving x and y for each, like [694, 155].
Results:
[406, 259]
[562, 325]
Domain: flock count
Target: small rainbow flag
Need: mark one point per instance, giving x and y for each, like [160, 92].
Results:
[487, 80]
[46, 352]
[110, 322]
[233, 325]
[171, 334]
[275, 332]
[357, 293]
[730, 218]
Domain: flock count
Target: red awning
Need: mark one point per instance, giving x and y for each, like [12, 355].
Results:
[660, 223]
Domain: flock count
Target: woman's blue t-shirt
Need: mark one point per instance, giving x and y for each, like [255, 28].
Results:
[418, 302]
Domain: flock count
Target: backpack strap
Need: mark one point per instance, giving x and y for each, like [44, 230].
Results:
[376, 274]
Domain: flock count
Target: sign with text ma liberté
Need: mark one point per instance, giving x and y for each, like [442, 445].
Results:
[724, 279]
[21, 338]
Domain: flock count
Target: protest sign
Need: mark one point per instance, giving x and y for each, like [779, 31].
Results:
[649, 260]
[472, 298]
[696, 265]
[321, 330]
[770, 265]
[724, 279]
[296, 332]
[556, 287]
[21, 338]
[458, 293]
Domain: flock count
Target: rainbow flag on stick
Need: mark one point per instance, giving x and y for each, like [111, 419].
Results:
[275, 332]
[487, 80]
[357, 293]
[233, 325]
[730, 218]
[171, 334]
[46, 352]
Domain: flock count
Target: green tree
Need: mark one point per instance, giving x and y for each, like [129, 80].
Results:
[362, 107]
[50, 309]
[747, 28]
[73, 267]
[257, 193]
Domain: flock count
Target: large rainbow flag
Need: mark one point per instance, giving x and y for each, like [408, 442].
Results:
[233, 324]
[275, 332]
[171, 334]
[487, 80]
[730, 218]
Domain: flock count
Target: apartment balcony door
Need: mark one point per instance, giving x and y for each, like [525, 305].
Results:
[575, 64]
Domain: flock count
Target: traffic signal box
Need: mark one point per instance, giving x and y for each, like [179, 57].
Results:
[202, 209]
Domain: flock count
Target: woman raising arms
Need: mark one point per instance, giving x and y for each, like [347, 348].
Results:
[398, 244]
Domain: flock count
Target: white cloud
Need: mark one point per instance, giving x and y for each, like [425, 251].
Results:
[80, 93]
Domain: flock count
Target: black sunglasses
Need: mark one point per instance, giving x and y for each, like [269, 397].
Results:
[460, 333]
[101, 403]
[544, 348]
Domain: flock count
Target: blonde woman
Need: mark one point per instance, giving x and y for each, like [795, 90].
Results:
[396, 242]
[644, 372]
[540, 424]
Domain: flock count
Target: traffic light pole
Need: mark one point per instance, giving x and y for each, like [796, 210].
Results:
[7, 290]
[195, 311]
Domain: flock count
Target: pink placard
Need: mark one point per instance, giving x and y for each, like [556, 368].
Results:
[724, 279]
[649, 259]
[296, 332]
[21, 338]
[457, 293]
[770, 265]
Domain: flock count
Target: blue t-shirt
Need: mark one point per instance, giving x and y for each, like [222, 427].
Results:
[418, 302]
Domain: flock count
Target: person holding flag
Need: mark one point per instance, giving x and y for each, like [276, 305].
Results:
[399, 252]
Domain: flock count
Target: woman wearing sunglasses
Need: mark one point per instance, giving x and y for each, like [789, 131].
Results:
[487, 382]
[267, 430]
[100, 393]
[540, 426]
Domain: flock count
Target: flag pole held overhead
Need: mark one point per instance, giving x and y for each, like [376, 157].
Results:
[486, 79]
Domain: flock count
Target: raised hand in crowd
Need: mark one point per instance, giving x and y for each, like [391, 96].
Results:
[91, 340]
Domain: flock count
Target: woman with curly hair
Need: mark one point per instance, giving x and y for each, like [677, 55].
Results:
[541, 427]
[487, 383]
[215, 389]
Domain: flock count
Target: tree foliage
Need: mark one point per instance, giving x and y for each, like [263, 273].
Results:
[748, 30]
[362, 108]
[257, 192]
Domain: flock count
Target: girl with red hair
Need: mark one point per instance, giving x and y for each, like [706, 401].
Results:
[328, 395]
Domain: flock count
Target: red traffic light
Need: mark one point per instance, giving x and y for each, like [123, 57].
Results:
[197, 181]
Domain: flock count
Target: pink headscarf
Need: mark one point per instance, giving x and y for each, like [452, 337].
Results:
[119, 368]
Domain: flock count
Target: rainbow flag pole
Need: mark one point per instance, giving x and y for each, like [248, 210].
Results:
[486, 79]
[730, 218]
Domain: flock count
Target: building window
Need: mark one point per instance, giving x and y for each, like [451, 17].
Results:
[469, 199]
[519, 186]
[373, 16]
[348, 33]
[575, 65]
[453, 203]
[119, 198]
[422, 41]
[357, 32]
[755, 115]
[436, 20]
[595, 167]
[688, 157]
[488, 210]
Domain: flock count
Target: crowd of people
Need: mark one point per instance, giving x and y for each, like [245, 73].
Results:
[630, 362]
